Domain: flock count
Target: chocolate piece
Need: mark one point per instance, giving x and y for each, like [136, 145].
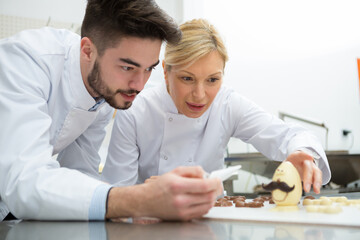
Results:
[232, 197]
[223, 203]
[309, 197]
[240, 204]
[266, 198]
[254, 204]
[258, 199]
[239, 199]
[226, 204]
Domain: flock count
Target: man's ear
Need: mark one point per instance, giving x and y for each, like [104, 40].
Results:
[87, 48]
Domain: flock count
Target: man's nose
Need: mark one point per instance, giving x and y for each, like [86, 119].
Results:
[138, 81]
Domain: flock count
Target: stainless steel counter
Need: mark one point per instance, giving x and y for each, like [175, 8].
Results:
[196, 229]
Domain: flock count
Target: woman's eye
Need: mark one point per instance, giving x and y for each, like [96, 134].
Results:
[213, 79]
[187, 78]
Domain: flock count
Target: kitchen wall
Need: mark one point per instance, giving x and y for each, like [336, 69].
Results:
[297, 57]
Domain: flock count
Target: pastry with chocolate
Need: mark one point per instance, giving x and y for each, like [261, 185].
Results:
[286, 188]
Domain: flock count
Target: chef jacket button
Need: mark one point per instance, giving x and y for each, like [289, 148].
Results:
[165, 158]
[170, 119]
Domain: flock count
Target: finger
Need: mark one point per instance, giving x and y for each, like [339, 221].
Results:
[194, 205]
[304, 155]
[191, 172]
[196, 185]
[192, 199]
[307, 175]
[317, 180]
[196, 211]
[220, 190]
[154, 177]
[298, 156]
[151, 179]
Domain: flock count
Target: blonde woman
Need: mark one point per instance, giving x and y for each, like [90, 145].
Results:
[190, 120]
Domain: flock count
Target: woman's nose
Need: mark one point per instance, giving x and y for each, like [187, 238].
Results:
[199, 91]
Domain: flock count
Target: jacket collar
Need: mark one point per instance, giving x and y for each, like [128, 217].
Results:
[170, 107]
[82, 98]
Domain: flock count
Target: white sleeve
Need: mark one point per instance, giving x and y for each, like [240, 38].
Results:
[270, 135]
[121, 166]
[32, 184]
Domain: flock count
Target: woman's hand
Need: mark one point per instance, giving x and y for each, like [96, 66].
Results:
[310, 174]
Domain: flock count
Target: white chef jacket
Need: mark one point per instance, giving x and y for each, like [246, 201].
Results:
[152, 138]
[44, 111]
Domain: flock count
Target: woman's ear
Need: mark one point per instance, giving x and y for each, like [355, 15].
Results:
[165, 72]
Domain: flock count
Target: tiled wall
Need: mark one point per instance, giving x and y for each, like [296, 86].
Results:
[10, 25]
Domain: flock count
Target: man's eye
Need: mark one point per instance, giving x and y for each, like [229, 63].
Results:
[126, 68]
[150, 69]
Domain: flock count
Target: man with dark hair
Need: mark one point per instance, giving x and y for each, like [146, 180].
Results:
[57, 91]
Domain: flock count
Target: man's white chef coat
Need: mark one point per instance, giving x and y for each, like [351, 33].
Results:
[44, 111]
[152, 138]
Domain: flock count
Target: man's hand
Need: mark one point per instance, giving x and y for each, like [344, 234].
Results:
[310, 174]
[151, 179]
[180, 194]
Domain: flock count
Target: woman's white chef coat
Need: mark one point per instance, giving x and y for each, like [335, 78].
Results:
[151, 138]
[44, 111]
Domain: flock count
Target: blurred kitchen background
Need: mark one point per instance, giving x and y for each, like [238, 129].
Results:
[299, 60]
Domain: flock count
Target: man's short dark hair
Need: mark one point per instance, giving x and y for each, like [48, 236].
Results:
[107, 21]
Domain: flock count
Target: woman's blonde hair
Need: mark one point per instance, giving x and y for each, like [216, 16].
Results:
[199, 38]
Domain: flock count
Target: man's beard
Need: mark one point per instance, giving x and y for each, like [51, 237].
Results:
[99, 87]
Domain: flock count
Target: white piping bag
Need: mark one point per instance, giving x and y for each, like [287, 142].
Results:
[223, 174]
